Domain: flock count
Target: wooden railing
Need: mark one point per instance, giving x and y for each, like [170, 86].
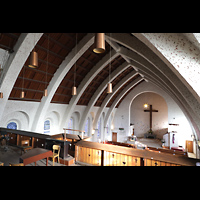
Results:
[92, 153]
[36, 140]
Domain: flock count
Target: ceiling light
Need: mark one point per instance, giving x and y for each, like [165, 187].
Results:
[33, 60]
[99, 43]
[45, 93]
[74, 90]
[109, 88]
[74, 87]
[22, 95]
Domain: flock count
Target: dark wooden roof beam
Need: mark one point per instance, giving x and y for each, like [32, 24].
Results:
[56, 42]
[11, 35]
[92, 63]
[84, 98]
[39, 71]
[37, 81]
[81, 66]
[73, 39]
[26, 89]
[51, 52]
[64, 87]
[90, 93]
[49, 63]
[24, 99]
[77, 74]
[65, 95]
[103, 77]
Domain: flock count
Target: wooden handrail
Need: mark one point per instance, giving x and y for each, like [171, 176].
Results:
[72, 129]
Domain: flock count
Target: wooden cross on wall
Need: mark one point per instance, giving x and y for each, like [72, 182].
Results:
[151, 110]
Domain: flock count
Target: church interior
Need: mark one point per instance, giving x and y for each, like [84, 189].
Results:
[99, 99]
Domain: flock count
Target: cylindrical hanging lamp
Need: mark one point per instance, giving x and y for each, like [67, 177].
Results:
[99, 43]
[33, 60]
[109, 90]
[22, 95]
[74, 90]
[74, 87]
[45, 93]
[1, 95]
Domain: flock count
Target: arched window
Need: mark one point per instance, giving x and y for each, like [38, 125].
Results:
[71, 125]
[99, 129]
[87, 127]
[47, 126]
[12, 125]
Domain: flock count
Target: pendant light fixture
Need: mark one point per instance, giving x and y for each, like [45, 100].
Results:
[74, 87]
[22, 92]
[33, 62]
[1, 95]
[99, 43]
[45, 91]
[74, 90]
[109, 89]
[22, 95]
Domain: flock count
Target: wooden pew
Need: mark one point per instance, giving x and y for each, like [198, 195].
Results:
[100, 154]
[168, 151]
[120, 144]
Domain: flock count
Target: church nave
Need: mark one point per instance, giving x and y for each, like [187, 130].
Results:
[67, 88]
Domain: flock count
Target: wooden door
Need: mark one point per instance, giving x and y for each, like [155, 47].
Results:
[114, 137]
[189, 146]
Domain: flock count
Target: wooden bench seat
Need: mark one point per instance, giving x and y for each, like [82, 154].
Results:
[168, 151]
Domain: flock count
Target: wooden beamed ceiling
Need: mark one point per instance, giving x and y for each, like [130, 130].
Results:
[34, 81]
[83, 65]
[8, 41]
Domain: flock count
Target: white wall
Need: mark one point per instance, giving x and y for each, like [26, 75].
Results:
[122, 116]
[23, 113]
[141, 119]
[181, 53]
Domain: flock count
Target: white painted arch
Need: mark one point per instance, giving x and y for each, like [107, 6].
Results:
[86, 81]
[109, 96]
[14, 64]
[64, 67]
[173, 82]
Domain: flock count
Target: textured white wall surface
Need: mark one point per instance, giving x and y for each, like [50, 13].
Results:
[183, 55]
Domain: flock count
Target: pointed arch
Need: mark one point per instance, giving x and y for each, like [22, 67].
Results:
[14, 64]
[59, 75]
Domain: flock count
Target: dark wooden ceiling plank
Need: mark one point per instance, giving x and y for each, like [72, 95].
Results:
[51, 52]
